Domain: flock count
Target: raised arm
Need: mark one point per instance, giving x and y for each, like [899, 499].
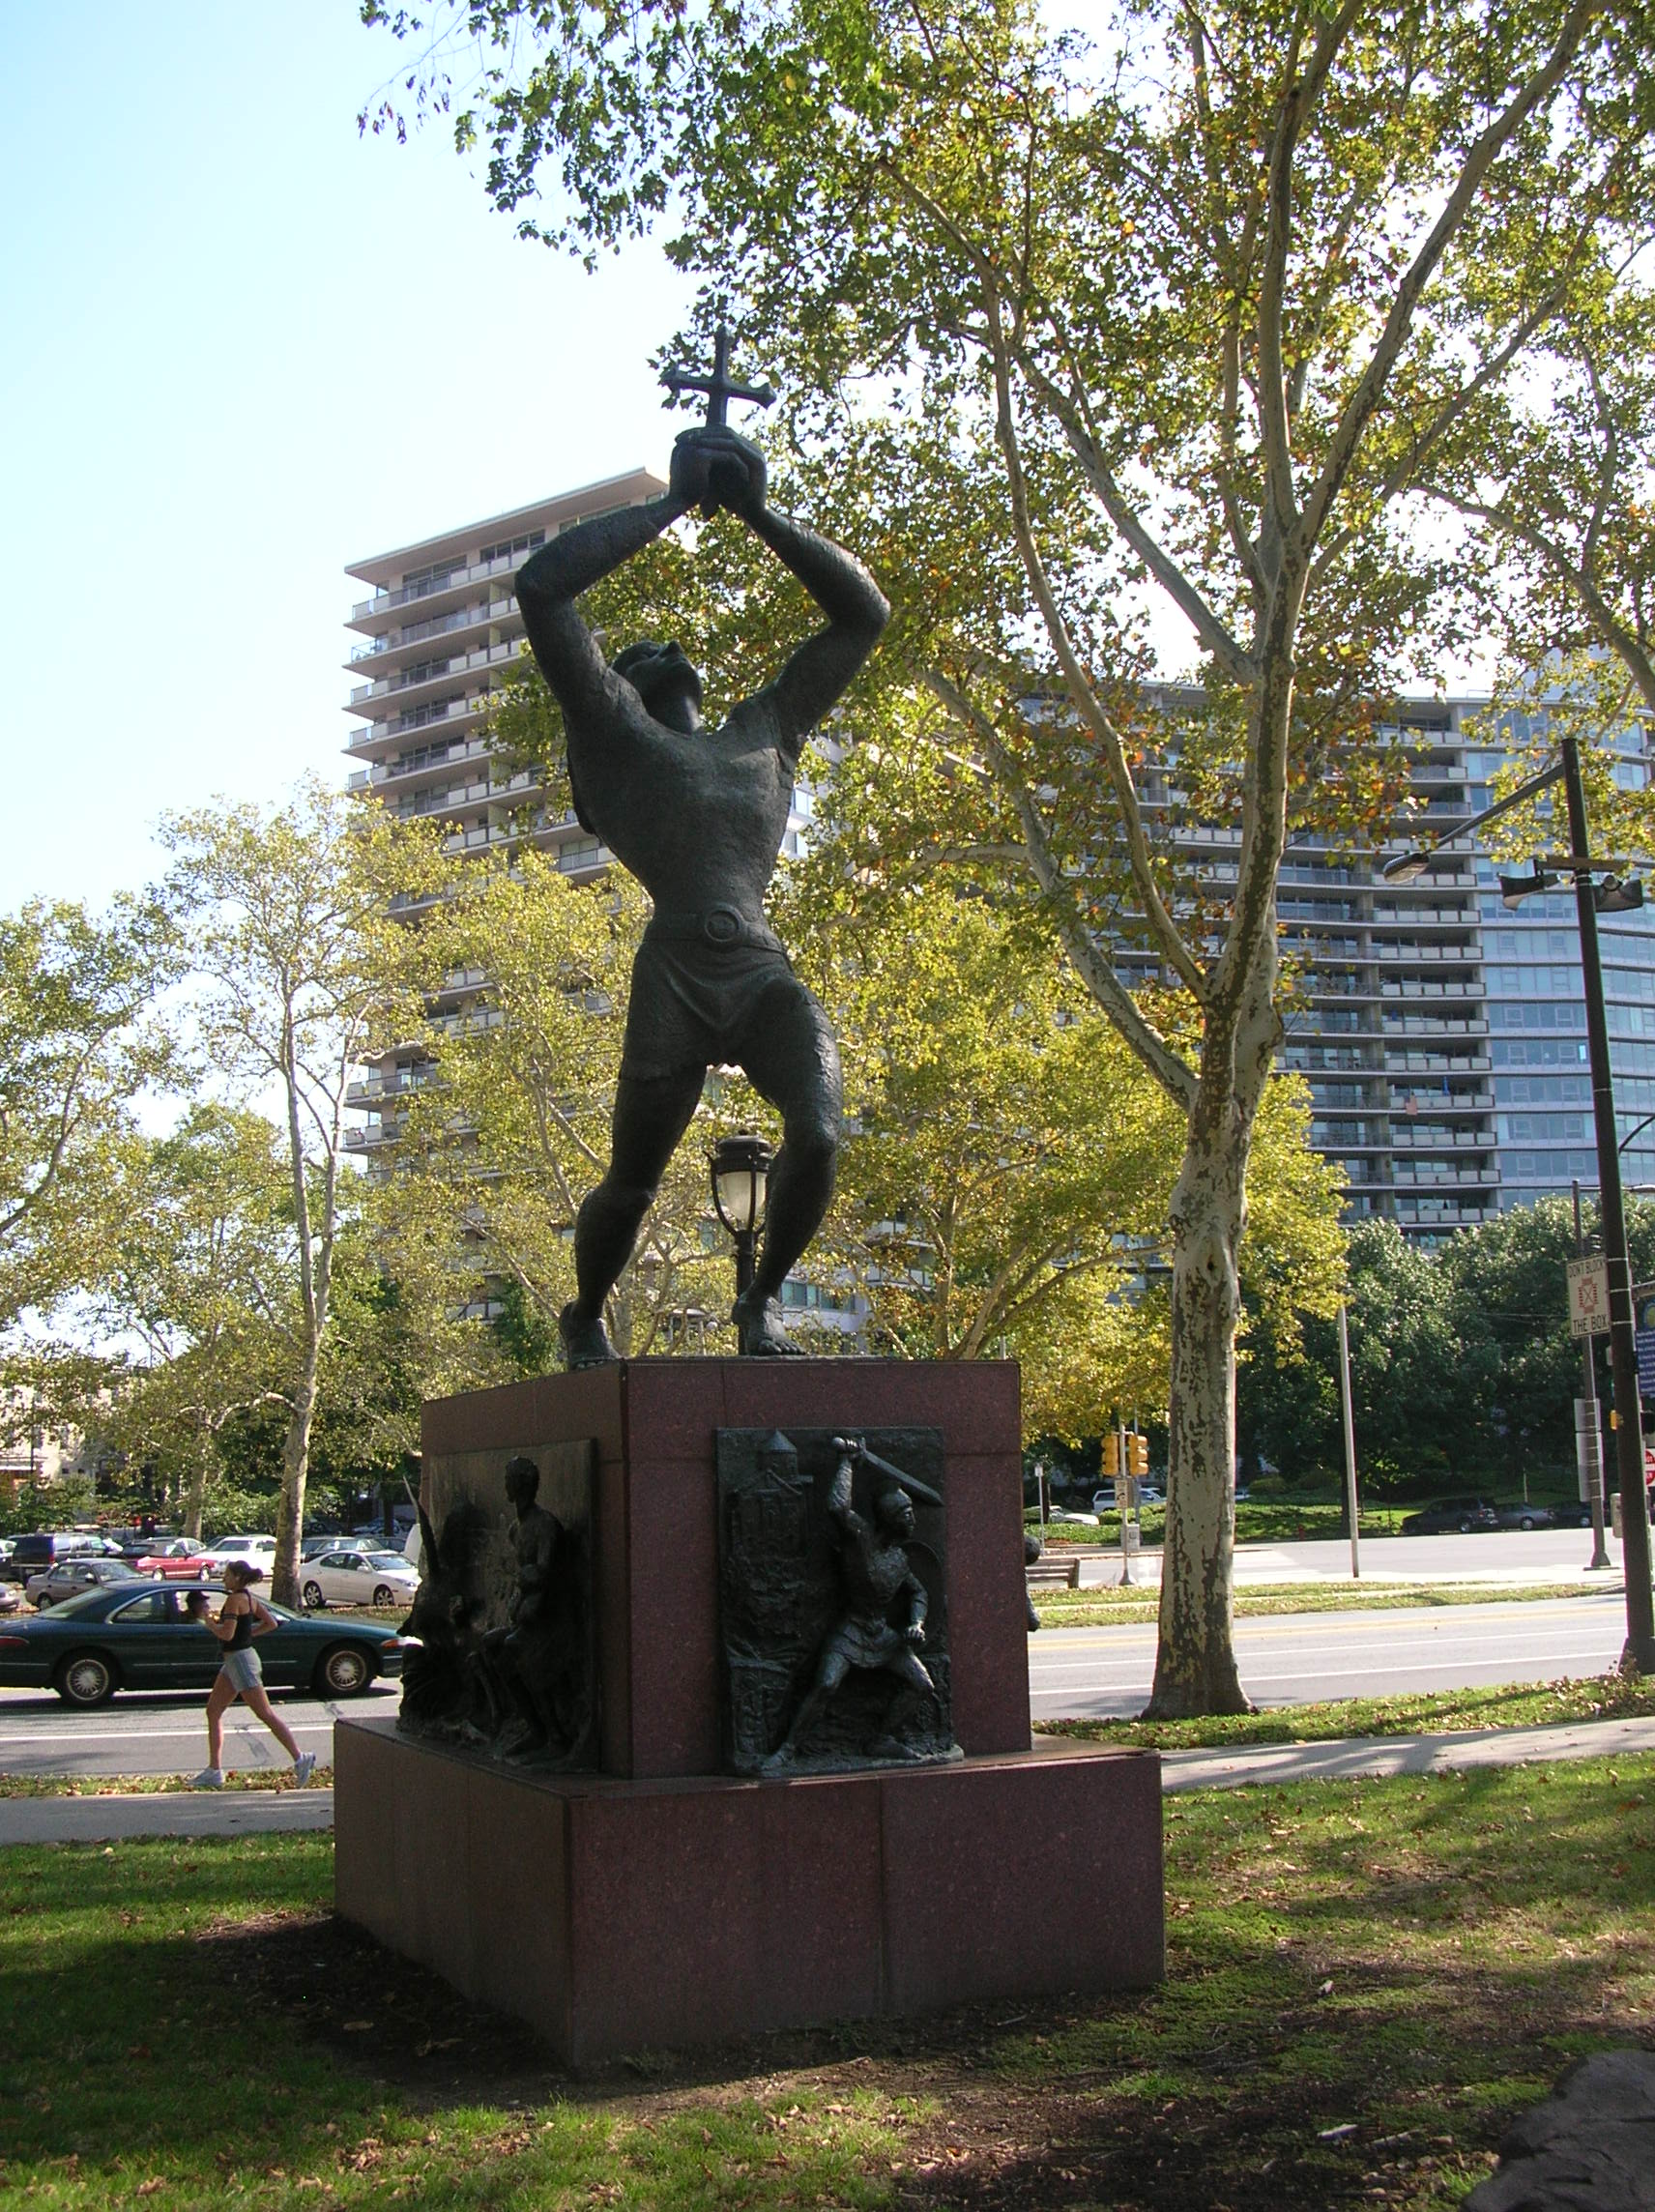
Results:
[551, 580]
[733, 470]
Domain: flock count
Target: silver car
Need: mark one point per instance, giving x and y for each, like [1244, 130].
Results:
[350, 1575]
[69, 1577]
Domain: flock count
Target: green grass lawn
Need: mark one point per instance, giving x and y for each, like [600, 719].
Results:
[1366, 1980]
[1426, 1712]
[1111, 1606]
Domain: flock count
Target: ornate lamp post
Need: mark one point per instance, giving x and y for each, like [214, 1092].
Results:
[741, 1184]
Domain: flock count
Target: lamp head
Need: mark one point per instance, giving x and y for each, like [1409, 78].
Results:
[1618, 895]
[1513, 889]
[741, 1180]
[1406, 867]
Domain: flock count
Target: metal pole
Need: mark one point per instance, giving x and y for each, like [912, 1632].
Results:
[1640, 1652]
[1595, 1468]
[1350, 1442]
[1125, 1496]
[747, 1260]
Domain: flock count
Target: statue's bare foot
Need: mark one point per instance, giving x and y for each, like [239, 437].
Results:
[759, 1329]
[586, 1343]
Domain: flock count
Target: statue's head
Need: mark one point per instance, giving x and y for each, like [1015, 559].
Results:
[665, 679]
[522, 1483]
[895, 1509]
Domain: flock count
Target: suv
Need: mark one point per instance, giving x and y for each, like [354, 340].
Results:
[39, 1554]
[1461, 1513]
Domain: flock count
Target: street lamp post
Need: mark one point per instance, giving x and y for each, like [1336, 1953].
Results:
[1591, 897]
[1595, 1468]
[1611, 1215]
[741, 1168]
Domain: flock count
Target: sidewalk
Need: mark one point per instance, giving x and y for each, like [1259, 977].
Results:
[262, 1812]
[162, 1813]
[1258, 1565]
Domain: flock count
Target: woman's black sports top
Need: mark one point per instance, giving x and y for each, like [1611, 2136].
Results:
[243, 1635]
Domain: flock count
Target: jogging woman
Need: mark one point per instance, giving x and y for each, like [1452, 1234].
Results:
[241, 1618]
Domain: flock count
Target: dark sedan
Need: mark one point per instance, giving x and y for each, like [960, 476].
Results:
[1461, 1513]
[138, 1636]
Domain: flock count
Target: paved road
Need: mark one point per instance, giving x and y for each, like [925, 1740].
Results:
[1099, 1674]
[161, 1735]
[1509, 1555]
[1096, 1672]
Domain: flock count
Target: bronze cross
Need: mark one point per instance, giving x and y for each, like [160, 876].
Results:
[718, 388]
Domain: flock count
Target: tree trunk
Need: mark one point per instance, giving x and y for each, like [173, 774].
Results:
[295, 1467]
[1194, 1664]
[196, 1499]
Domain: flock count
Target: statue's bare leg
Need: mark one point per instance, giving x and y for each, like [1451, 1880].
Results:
[790, 1056]
[652, 1112]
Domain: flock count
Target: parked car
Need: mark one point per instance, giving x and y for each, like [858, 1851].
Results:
[69, 1577]
[1528, 1517]
[136, 1636]
[1464, 1514]
[312, 1547]
[251, 1550]
[177, 1560]
[351, 1576]
[1103, 1498]
[35, 1554]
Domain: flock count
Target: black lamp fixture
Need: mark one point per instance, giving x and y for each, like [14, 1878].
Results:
[741, 1185]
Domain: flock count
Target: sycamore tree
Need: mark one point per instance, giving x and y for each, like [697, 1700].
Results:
[1179, 318]
[299, 969]
[75, 1049]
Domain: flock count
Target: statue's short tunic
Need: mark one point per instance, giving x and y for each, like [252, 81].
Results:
[696, 993]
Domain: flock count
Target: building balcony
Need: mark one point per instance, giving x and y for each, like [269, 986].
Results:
[1436, 1064]
[1409, 1137]
[1411, 1176]
[1392, 948]
[434, 634]
[452, 668]
[368, 613]
[1430, 987]
[1433, 1025]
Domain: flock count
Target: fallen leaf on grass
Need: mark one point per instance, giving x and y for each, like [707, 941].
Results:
[362, 2026]
[151, 2187]
[1337, 2135]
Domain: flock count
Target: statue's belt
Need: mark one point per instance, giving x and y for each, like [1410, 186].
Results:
[722, 925]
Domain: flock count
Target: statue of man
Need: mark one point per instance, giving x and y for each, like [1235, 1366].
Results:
[698, 816]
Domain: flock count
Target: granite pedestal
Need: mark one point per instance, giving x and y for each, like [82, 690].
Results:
[660, 1901]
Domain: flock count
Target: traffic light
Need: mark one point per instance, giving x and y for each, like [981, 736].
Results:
[1112, 1456]
[1137, 1457]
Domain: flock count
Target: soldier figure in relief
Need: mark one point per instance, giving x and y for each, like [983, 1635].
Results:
[698, 816]
[876, 1571]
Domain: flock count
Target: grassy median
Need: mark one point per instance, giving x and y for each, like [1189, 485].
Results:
[1366, 1980]
[1109, 1606]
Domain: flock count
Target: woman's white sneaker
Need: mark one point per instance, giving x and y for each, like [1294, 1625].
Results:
[209, 1778]
[303, 1766]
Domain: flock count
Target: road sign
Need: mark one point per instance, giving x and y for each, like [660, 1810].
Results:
[1644, 1322]
[1588, 1297]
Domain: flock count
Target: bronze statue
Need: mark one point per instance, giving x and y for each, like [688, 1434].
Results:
[698, 816]
[876, 1572]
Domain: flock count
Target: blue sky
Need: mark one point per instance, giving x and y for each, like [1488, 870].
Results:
[240, 347]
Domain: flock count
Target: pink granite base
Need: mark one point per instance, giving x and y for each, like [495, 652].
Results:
[620, 1915]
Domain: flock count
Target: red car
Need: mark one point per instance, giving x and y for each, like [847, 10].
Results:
[178, 1561]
